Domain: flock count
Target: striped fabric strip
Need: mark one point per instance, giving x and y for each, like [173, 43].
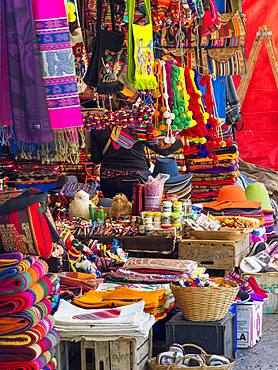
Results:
[108, 314]
[22, 266]
[51, 365]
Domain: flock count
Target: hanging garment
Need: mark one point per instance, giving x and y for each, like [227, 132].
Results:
[59, 75]
[30, 116]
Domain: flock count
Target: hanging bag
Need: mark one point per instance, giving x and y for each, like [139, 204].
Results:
[232, 31]
[140, 50]
[104, 64]
[211, 20]
[26, 225]
[81, 59]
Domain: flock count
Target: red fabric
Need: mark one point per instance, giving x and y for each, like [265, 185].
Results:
[258, 140]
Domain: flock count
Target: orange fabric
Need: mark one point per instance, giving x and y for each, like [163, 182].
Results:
[232, 196]
[121, 296]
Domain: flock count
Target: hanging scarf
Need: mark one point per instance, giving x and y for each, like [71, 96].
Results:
[59, 76]
[30, 116]
[5, 101]
[140, 50]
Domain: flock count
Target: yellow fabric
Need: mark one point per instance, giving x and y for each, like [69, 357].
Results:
[221, 157]
[121, 296]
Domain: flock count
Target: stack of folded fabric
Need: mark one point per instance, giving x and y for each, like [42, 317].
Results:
[258, 192]
[231, 202]
[152, 270]
[128, 321]
[209, 175]
[163, 308]
[27, 337]
[176, 184]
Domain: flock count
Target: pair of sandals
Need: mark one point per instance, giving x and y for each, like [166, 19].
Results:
[261, 258]
[176, 353]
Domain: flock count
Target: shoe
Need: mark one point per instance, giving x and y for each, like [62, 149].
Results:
[252, 281]
[168, 358]
[256, 263]
[216, 360]
[257, 298]
[256, 248]
[244, 297]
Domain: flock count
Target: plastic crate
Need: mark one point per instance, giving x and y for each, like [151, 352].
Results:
[216, 337]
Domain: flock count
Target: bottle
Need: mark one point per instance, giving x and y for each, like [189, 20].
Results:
[142, 227]
[138, 199]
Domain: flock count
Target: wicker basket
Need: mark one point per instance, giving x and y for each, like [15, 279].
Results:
[205, 303]
[154, 366]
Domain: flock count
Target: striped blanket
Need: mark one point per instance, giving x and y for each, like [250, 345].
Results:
[22, 266]
[70, 188]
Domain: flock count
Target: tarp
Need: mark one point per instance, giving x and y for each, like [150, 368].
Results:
[258, 142]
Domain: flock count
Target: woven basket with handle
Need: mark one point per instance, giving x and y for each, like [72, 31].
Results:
[205, 303]
[154, 366]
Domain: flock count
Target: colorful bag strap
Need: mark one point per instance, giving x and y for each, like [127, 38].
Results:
[99, 12]
[130, 11]
[27, 198]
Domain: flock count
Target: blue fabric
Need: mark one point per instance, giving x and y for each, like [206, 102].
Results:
[38, 185]
[219, 87]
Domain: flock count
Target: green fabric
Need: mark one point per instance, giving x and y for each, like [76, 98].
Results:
[140, 50]
[258, 193]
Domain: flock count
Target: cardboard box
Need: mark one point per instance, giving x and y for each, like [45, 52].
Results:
[268, 281]
[249, 324]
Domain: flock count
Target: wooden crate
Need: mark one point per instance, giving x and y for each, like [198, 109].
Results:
[214, 254]
[127, 354]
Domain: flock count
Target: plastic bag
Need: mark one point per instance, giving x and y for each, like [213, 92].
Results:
[154, 189]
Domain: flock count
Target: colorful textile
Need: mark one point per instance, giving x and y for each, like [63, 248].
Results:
[21, 282]
[121, 297]
[28, 337]
[12, 354]
[21, 301]
[57, 64]
[122, 274]
[181, 266]
[78, 279]
[19, 322]
[31, 124]
[10, 259]
[71, 188]
[22, 266]
[51, 365]
[36, 364]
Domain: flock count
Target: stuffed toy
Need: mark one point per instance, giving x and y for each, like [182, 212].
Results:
[120, 206]
[79, 207]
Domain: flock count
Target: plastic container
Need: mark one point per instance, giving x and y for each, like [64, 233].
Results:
[176, 219]
[216, 337]
[149, 220]
[166, 218]
[177, 206]
[167, 206]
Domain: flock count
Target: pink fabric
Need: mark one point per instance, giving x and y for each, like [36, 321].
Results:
[49, 9]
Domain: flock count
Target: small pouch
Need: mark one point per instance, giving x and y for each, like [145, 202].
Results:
[224, 61]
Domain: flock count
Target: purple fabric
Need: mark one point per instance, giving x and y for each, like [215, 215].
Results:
[5, 102]
[31, 122]
[217, 170]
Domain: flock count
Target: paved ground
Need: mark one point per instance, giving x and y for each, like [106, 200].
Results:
[264, 355]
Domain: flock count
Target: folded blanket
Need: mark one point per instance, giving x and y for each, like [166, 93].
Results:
[19, 322]
[12, 354]
[51, 365]
[181, 266]
[77, 279]
[21, 301]
[212, 164]
[122, 274]
[21, 282]
[121, 296]
[216, 169]
[22, 266]
[11, 259]
[28, 337]
[216, 182]
[214, 176]
[37, 364]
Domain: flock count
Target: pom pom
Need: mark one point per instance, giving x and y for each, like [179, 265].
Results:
[206, 115]
[223, 144]
[181, 109]
[163, 109]
[175, 112]
[166, 114]
[168, 121]
[156, 113]
[167, 140]
[165, 96]
[172, 116]
[172, 140]
[174, 127]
